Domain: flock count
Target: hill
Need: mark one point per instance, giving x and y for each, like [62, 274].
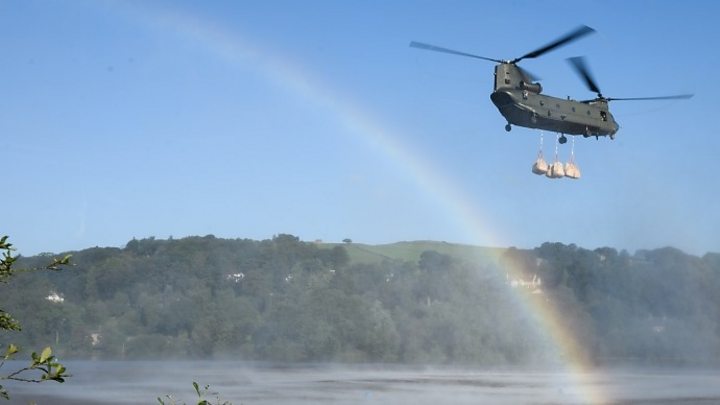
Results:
[283, 299]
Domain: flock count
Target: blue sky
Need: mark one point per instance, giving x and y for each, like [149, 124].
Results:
[249, 119]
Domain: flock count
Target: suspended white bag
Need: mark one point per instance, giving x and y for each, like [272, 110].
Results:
[540, 166]
[557, 170]
[572, 171]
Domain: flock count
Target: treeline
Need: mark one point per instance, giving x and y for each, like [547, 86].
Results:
[287, 300]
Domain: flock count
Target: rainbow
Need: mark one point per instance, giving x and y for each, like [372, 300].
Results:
[576, 380]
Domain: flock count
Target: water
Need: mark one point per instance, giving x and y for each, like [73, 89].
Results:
[123, 382]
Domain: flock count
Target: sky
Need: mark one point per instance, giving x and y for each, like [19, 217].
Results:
[136, 119]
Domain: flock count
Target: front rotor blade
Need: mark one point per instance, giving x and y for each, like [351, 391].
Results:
[578, 62]
[450, 51]
[675, 97]
[578, 33]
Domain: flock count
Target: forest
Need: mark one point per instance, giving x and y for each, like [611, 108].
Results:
[286, 300]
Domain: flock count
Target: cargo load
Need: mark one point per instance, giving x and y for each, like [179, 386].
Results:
[540, 166]
[556, 171]
[571, 169]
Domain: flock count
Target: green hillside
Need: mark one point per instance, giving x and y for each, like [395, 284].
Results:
[411, 251]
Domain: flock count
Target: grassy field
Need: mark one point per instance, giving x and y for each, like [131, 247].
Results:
[411, 251]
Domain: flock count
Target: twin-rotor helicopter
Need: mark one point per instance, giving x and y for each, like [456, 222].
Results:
[517, 95]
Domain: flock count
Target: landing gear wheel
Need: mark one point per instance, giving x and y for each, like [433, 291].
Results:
[562, 139]
[508, 127]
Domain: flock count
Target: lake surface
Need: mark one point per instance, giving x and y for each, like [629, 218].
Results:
[141, 382]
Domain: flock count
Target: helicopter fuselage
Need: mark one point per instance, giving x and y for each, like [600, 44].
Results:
[520, 102]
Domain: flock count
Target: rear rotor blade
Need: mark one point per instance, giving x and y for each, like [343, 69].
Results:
[576, 34]
[578, 62]
[675, 97]
[528, 74]
[450, 51]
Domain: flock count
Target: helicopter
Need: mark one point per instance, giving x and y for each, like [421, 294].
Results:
[517, 95]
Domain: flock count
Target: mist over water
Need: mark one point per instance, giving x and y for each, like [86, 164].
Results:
[126, 382]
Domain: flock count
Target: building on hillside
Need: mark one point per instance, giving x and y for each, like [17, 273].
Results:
[533, 285]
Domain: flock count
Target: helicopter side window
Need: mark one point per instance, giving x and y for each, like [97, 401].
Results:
[603, 115]
[588, 112]
[573, 109]
[507, 81]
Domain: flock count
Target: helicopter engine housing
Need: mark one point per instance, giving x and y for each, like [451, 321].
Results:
[531, 87]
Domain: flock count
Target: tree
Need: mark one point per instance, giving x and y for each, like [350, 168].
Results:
[45, 363]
